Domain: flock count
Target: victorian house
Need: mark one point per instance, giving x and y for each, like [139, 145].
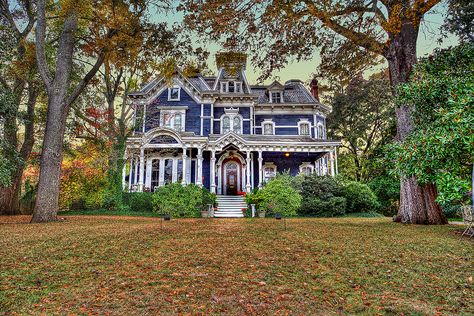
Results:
[225, 134]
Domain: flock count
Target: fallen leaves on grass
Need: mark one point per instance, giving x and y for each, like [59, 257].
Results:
[116, 265]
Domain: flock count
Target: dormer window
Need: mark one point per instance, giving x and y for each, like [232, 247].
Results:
[174, 93]
[231, 87]
[304, 128]
[224, 87]
[276, 97]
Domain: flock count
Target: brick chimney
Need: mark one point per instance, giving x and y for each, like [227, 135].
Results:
[314, 88]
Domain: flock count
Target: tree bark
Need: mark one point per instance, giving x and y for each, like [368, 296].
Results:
[417, 203]
[46, 206]
[10, 195]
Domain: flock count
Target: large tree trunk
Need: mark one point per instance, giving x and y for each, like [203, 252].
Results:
[417, 203]
[46, 206]
[10, 195]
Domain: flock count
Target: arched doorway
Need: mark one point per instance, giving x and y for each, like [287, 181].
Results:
[232, 177]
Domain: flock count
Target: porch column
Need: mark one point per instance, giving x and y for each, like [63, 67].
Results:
[185, 160]
[149, 163]
[130, 174]
[142, 169]
[331, 160]
[260, 169]
[135, 172]
[199, 167]
[213, 171]
[124, 170]
[335, 156]
[247, 177]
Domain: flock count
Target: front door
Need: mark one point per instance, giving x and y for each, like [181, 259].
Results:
[231, 178]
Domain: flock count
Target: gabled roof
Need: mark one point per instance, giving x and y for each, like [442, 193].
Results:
[275, 86]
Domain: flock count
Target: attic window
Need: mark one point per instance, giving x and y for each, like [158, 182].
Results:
[174, 93]
[231, 87]
[276, 97]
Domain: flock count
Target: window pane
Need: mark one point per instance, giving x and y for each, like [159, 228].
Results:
[223, 86]
[237, 125]
[174, 93]
[268, 129]
[225, 124]
[238, 87]
[155, 174]
[304, 129]
[276, 97]
[167, 119]
[231, 86]
[177, 122]
[168, 171]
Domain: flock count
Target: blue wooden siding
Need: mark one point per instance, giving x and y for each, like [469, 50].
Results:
[283, 120]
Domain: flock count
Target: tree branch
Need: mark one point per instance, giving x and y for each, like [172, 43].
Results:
[40, 38]
[360, 39]
[77, 91]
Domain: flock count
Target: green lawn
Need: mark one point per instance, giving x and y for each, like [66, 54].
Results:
[128, 265]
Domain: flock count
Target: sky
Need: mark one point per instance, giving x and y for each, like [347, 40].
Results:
[303, 70]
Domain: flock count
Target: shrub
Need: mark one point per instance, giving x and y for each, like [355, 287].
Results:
[387, 190]
[359, 197]
[277, 196]
[138, 201]
[322, 196]
[176, 199]
[330, 207]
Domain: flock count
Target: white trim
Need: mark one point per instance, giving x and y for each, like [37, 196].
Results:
[301, 122]
[179, 93]
[231, 114]
[320, 135]
[173, 114]
[270, 99]
[269, 165]
[306, 165]
[239, 176]
[268, 121]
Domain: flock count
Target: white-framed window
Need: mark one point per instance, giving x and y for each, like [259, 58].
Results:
[304, 128]
[306, 168]
[276, 97]
[269, 171]
[268, 128]
[224, 87]
[320, 131]
[231, 86]
[174, 119]
[231, 122]
[174, 93]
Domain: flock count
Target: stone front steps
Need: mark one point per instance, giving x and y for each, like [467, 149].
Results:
[230, 206]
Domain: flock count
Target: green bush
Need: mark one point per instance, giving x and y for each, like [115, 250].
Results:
[452, 210]
[359, 198]
[138, 201]
[322, 196]
[177, 200]
[387, 190]
[330, 207]
[277, 196]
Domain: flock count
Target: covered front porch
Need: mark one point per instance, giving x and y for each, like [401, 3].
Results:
[225, 164]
